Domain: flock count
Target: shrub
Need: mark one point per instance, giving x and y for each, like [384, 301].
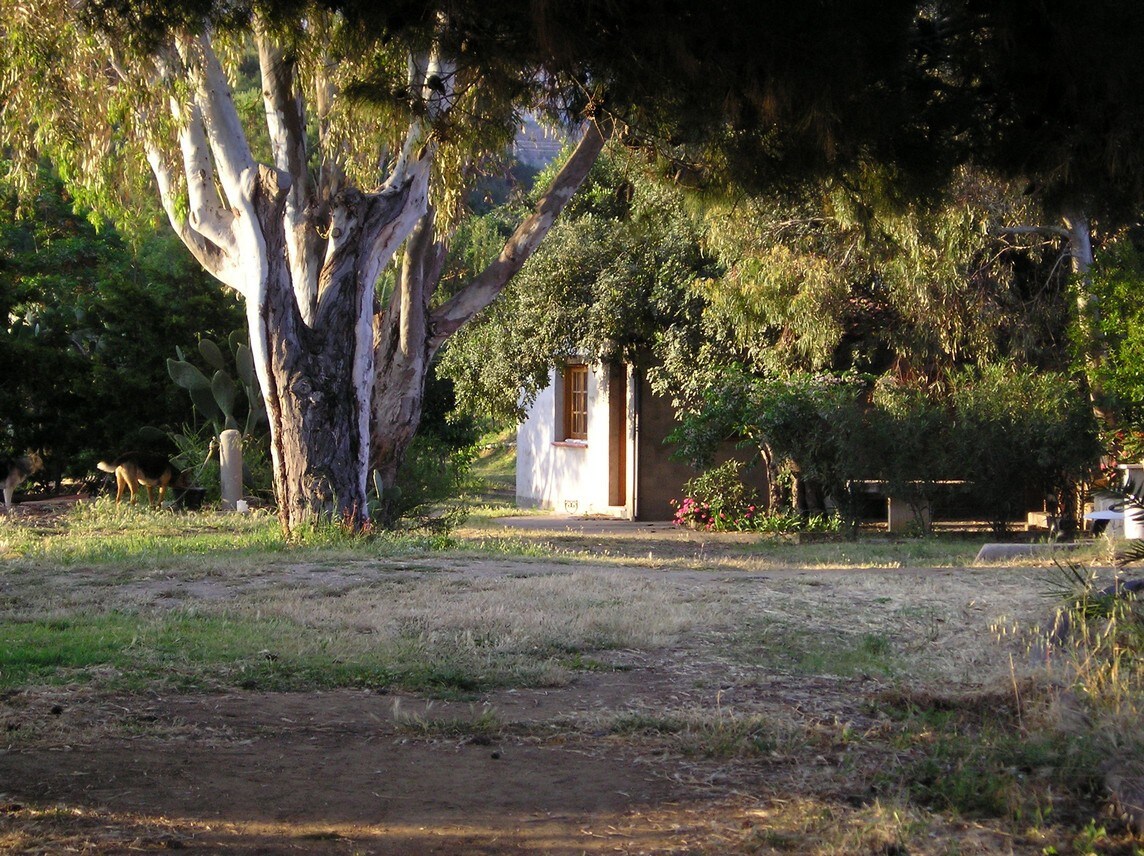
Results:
[430, 489]
[719, 501]
[1014, 432]
[1005, 431]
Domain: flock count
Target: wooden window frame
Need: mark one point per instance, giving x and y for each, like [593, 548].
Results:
[575, 421]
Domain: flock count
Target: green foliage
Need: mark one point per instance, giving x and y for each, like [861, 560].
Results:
[611, 276]
[1001, 430]
[901, 440]
[1015, 430]
[220, 399]
[851, 273]
[431, 489]
[801, 420]
[718, 500]
[1079, 146]
[1114, 286]
[85, 319]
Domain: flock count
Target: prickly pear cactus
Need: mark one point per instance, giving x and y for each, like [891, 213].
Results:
[220, 397]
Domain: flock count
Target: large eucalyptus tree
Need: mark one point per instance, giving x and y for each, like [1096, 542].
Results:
[303, 232]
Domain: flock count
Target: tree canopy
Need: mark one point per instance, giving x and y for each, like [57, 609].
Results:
[615, 274]
[300, 149]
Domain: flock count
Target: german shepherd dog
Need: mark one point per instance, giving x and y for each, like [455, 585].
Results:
[143, 468]
[13, 472]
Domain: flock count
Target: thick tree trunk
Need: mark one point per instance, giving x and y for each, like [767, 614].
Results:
[313, 379]
[313, 406]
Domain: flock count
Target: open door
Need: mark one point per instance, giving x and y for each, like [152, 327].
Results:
[617, 434]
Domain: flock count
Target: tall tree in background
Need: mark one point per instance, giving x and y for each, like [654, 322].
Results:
[1035, 92]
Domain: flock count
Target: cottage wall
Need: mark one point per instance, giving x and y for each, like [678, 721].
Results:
[580, 478]
[567, 476]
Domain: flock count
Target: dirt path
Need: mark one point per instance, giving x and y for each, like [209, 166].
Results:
[343, 772]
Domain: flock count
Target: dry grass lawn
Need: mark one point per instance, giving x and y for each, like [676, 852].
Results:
[543, 691]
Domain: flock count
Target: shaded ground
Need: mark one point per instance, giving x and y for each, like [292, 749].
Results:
[521, 771]
[335, 773]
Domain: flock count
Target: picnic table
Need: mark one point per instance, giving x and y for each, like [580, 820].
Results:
[901, 514]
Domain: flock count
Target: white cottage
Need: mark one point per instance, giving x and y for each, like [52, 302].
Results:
[593, 444]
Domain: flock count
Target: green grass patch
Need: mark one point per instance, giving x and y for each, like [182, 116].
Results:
[976, 757]
[482, 726]
[998, 773]
[714, 734]
[183, 651]
[193, 652]
[814, 652]
[101, 533]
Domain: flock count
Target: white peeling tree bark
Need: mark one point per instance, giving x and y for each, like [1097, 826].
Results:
[304, 258]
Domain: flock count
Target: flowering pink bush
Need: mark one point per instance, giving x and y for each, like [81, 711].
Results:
[718, 501]
[693, 514]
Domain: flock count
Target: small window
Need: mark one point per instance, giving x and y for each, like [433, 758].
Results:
[576, 402]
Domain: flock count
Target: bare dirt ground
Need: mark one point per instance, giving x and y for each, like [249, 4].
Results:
[343, 772]
[329, 772]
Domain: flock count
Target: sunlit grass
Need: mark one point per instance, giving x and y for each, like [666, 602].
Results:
[376, 629]
[101, 532]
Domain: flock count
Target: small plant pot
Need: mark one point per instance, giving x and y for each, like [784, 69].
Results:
[191, 498]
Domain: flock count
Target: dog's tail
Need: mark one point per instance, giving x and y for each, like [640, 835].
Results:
[106, 467]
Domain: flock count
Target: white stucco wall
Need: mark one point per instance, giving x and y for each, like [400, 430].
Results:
[569, 478]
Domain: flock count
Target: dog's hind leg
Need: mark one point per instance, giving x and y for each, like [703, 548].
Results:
[120, 484]
[8, 491]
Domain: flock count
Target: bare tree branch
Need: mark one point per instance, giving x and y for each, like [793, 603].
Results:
[214, 260]
[233, 159]
[484, 288]
[286, 122]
